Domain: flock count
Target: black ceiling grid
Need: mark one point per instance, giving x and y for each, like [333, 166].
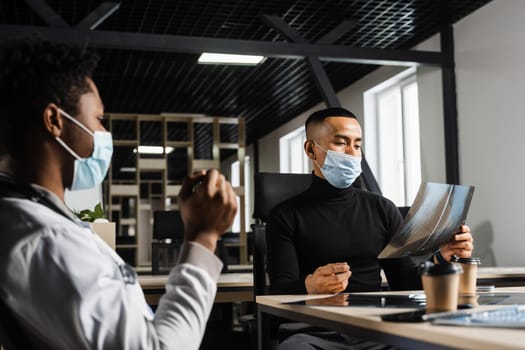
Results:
[267, 95]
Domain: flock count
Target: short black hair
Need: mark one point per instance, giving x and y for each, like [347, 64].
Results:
[35, 72]
[322, 114]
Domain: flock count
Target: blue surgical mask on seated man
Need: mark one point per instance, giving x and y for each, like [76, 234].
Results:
[339, 169]
[90, 172]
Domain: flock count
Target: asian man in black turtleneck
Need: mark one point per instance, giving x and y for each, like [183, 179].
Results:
[326, 239]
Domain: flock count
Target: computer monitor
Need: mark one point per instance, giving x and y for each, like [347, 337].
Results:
[167, 224]
[168, 234]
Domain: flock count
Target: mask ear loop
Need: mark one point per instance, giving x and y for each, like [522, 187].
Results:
[79, 124]
[73, 153]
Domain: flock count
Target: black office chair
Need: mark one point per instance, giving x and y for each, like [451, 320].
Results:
[270, 189]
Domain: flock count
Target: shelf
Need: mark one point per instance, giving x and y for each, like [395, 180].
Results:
[200, 164]
[152, 164]
[125, 246]
[125, 142]
[128, 221]
[228, 145]
[176, 144]
[173, 190]
[125, 190]
[144, 206]
[154, 186]
[116, 207]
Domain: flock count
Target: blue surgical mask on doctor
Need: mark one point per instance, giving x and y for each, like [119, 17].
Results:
[90, 172]
[339, 169]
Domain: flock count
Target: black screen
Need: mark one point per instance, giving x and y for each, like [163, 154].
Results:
[168, 224]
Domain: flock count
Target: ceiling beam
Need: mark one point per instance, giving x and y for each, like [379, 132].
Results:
[197, 45]
[314, 64]
[47, 14]
[98, 15]
[283, 29]
[343, 28]
[324, 85]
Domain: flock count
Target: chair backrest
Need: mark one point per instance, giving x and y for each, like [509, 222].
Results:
[273, 188]
[270, 189]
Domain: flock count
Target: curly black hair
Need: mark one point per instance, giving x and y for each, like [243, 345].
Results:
[35, 72]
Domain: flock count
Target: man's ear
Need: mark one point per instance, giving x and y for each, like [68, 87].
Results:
[52, 119]
[309, 149]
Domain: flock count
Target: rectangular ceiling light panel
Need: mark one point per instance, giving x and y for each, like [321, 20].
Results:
[221, 58]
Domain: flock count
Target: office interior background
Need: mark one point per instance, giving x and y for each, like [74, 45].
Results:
[490, 70]
[489, 57]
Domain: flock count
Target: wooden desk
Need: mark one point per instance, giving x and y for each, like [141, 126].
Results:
[240, 268]
[366, 322]
[501, 276]
[231, 287]
[146, 269]
[496, 276]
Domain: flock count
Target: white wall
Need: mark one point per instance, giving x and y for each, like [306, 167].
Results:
[269, 144]
[83, 199]
[431, 114]
[432, 133]
[350, 98]
[490, 74]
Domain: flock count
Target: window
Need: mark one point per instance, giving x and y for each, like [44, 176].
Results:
[236, 227]
[392, 137]
[292, 156]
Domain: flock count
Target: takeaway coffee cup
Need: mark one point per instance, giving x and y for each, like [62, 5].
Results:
[440, 283]
[467, 280]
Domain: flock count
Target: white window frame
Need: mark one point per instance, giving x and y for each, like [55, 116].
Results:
[236, 226]
[411, 161]
[292, 158]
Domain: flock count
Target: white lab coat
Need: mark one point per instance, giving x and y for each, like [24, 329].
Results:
[66, 284]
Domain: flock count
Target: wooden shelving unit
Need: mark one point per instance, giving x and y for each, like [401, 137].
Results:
[147, 184]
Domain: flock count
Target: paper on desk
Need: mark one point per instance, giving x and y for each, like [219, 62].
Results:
[433, 219]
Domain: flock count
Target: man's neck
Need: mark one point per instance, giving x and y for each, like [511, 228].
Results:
[40, 170]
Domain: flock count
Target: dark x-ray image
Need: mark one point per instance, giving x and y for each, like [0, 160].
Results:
[433, 219]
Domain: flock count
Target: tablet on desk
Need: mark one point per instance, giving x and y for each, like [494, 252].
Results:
[454, 317]
[367, 300]
[413, 300]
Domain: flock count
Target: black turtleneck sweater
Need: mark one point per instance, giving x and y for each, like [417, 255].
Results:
[324, 225]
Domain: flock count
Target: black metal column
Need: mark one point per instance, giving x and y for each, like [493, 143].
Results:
[448, 77]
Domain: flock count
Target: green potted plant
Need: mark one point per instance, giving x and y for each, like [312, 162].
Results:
[95, 215]
[99, 224]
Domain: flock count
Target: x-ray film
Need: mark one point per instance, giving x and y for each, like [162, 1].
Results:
[433, 219]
